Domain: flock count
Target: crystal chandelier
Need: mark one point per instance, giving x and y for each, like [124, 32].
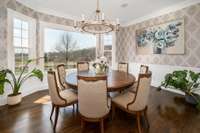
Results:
[97, 24]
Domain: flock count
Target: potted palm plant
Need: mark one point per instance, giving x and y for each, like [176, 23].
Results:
[186, 81]
[16, 82]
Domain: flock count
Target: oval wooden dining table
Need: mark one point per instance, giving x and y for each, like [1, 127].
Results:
[117, 80]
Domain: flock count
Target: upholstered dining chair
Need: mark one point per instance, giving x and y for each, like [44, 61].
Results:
[122, 66]
[82, 66]
[143, 69]
[94, 105]
[135, 102]
[61, 76]
[59, 98]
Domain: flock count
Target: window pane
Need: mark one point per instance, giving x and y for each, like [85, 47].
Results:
[108, 47]
[68, 48]
[24, 33]
[108, 55]
[20, 42]
[21, 57]
[25, 25]
[17, 33]
[17, 42]
[108, 39]
[25, 43]
[18, 60]
[17, 23]
[24, 55]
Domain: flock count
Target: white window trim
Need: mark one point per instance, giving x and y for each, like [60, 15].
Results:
[113, 49]
[31, 38]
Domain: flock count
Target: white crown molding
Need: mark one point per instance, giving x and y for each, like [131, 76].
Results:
[173, 8]
[162, 12]
[50, 11]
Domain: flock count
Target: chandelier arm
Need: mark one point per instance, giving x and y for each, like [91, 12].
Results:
[99, 25]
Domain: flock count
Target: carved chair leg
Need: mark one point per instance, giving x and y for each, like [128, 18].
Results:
[138, 122]
[77, 107]
[146, 117]
[56, 118]
[113, 111]
[102, 126]
[73, 108]
[52, 110]
[82, 125]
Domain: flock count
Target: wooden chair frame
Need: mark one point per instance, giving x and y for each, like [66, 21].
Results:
[59, 75]
[147, 68]
[82, 62]
[57, 107]
[101, 119]
[138, 113]
[124, 63]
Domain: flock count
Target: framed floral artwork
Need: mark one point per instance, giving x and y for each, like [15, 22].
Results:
[167, 38]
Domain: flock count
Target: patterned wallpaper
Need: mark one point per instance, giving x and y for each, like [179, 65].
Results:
[126, 47]
[126, 43]
[16, 6]
[3, 22]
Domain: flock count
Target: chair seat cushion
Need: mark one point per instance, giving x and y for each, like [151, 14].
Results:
[123, 99]
[69, 95]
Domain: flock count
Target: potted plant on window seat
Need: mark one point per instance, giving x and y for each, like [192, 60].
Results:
[8, 76]
[186, 81]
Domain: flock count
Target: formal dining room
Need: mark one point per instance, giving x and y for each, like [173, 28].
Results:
[99, 66]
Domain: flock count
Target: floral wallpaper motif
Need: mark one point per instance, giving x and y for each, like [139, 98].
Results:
[126, 40]
[3, 32]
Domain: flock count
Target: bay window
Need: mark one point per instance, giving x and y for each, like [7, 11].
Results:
[20, 43]
[67, 47]
[21, 39]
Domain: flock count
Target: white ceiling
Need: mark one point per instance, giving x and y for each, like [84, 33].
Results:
[112, 8]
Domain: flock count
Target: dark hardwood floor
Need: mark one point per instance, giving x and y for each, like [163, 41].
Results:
[167, 113]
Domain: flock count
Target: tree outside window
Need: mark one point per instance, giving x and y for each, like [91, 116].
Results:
[68, 48]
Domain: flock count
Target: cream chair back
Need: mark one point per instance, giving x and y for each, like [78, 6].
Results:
[92, 96]
[82, 66]
[61, 76]
[54, 90]
[142, 92]
[123, 67]
[144, 69]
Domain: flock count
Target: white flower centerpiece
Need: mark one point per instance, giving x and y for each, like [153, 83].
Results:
[101, 65]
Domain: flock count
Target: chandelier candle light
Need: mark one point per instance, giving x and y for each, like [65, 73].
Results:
[98, 24]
